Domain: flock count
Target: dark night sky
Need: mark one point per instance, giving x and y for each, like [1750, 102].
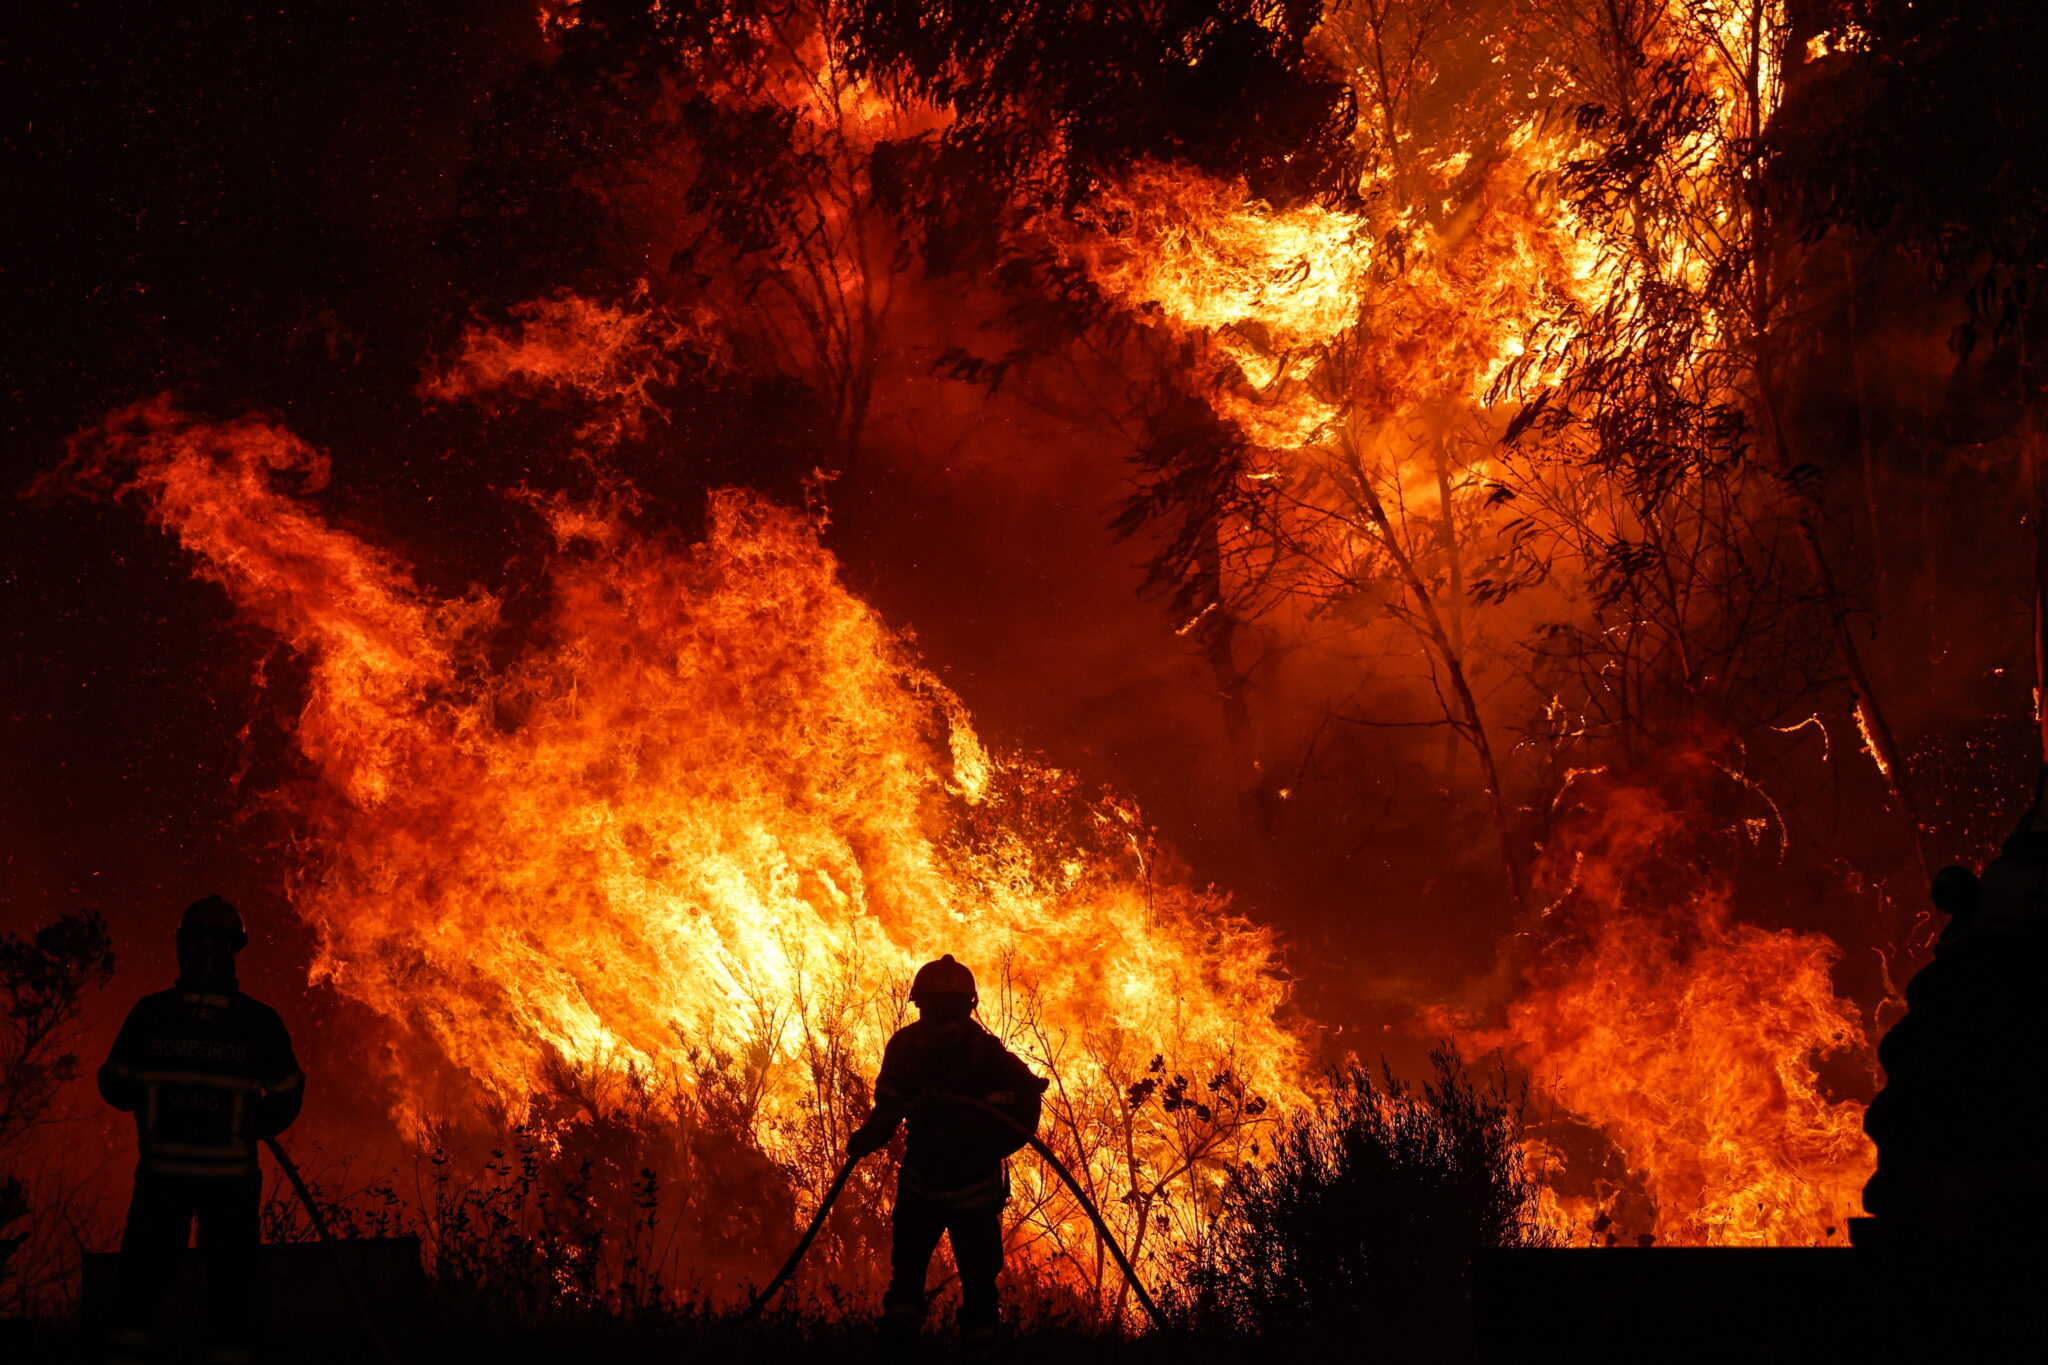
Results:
[239, 206]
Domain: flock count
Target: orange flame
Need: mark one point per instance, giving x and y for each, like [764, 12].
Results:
[1687, 1037]
[611, 355]
[712, 816]
[1308, 328]
[716, 811]
[1690, 1040]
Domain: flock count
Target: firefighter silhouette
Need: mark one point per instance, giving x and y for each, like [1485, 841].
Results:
[208, 1073]
[953, 1181]
[1959, 1124]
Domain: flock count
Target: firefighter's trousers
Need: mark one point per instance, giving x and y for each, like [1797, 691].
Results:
[976, 1231]
[160, 1219]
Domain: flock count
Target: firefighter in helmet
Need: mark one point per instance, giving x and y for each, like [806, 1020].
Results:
[953, 1181]
[208, 1073]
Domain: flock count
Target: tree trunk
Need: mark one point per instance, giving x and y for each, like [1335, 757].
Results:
[1436, 632]
[1807, 514]
[1863, 441]
[1870, 714]
[1216, 637]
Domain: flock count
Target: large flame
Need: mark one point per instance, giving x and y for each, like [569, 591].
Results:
[1688, 1037]
[1307, 327]
[1353, 340]
[704, 819]
[701, 825]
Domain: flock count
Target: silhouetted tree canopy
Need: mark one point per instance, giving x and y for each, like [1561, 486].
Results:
[1200, 82]
[1935, 138]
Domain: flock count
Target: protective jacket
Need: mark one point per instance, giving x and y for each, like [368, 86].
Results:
[954, 1154]
[207, 1073]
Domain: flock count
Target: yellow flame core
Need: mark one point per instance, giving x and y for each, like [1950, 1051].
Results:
[1301, 327]
[1263, 291]
[714, 813]
[1212, 257]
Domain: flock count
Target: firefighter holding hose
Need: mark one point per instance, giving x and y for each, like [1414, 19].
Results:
[208, 1073]
[953, 1181]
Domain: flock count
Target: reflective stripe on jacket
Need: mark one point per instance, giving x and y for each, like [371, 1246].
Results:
[207, 1075]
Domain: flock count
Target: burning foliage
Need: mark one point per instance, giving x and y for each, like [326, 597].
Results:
[672, 862]
[612, 357]
[1469, 368]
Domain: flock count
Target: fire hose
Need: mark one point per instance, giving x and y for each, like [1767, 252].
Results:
[348, 1284]
[1059, 1167]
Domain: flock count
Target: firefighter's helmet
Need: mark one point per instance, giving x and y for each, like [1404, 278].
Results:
[214, 916]
[944, 977]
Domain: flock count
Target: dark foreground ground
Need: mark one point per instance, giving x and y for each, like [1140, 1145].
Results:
[306, 1318]
[444, 1331]
[1527, 1305]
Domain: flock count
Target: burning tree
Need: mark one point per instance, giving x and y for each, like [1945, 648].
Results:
[1505, 369]
[671, 867]
[1460, 362]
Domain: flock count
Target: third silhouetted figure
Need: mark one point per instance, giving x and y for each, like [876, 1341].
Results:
[208, 1073]
[1960, 1123]
[953, 1181]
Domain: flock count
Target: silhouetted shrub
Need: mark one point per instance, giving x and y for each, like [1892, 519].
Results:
[1363, 1223]
[1359, 1226]
[44, 980]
